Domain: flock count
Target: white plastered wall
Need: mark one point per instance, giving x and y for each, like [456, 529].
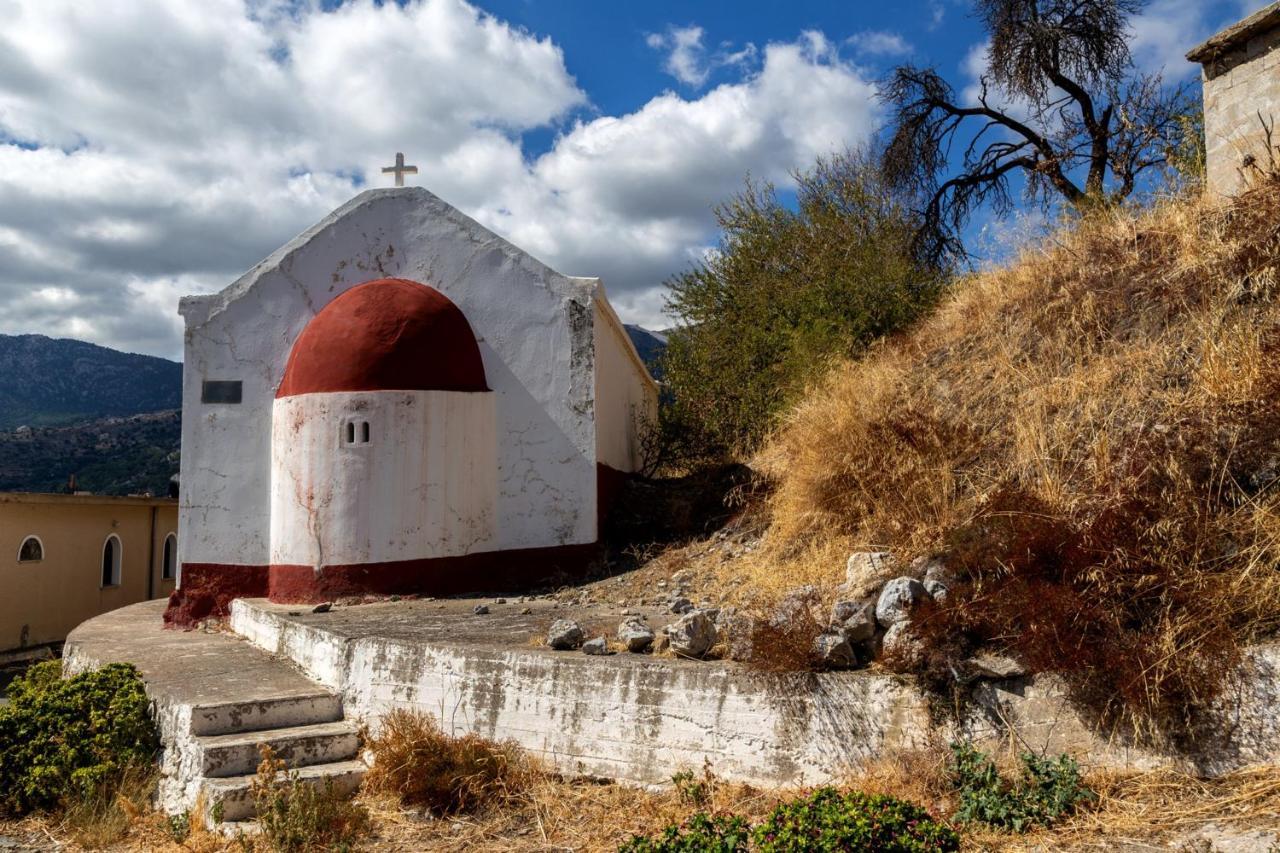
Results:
[423, 486]
[533, 326]
[626, 395]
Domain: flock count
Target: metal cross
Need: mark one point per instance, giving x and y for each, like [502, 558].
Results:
[400, 169]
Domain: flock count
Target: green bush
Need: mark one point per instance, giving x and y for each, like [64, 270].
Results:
[65, 739]
[831, 821]
[699, 834]
[1047, 790]
[786, 291]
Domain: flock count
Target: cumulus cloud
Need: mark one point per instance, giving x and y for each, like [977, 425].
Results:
[152, 148]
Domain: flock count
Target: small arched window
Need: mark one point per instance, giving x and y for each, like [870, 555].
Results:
[111, 561]
[356, 433]
[169, 557]
[31, 551]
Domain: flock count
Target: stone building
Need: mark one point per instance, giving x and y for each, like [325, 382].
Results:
[67, 558]
[399, 401]
[1241, 70]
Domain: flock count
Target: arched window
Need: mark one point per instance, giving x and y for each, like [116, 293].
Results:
[111, 561]
[32, 550]
[169, 559]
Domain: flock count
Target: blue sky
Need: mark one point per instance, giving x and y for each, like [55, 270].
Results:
[155, 148]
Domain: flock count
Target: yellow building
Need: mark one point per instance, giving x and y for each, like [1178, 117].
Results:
[65, 558]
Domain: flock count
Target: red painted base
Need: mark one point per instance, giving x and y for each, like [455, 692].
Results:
[208, 588]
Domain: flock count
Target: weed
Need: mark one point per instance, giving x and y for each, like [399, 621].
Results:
[699, 834]
[692, 790]
[1048, 790]
[296, 816]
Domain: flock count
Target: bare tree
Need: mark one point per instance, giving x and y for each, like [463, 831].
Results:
[1059, 102]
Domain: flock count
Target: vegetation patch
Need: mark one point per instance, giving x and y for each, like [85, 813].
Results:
[1047, 790]
[420, 765]
[296, 816]
[1087, 438]
[64, 741]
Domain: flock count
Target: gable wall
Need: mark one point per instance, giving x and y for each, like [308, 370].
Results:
[1241, 91]
[534, 328]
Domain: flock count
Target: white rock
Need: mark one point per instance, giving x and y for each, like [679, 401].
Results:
[680, 605]
[897, 599]
[692, 635]
[637, 635]
[564, 634]
[856, 620]
[901, 646]
[937, 590]
[834, 651]
[866, 570]
[596, 646]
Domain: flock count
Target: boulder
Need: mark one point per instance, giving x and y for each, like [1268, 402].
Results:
[898, 597]
[564, 634]
[680, 605]
[480, 609]
[596, 646]
[637, 636]
[866, 570]
[692, 635]
[834, 651]
[856, 620]
[901, 647]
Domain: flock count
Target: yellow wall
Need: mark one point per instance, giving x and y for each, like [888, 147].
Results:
[40, 602]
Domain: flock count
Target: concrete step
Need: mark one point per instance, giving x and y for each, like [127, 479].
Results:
[230, 798]
[261, 714]
[298, 746]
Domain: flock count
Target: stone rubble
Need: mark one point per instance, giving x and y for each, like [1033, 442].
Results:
[565, 634]
[637, 636]
[692, 635]
[897, 599]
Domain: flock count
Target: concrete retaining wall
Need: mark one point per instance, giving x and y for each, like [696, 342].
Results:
[639, 718]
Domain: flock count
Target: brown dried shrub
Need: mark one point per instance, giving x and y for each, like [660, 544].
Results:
[415, 761]
[1090, 436]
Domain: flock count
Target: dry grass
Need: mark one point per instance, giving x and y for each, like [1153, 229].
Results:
[1090, 437]
[551, 813]
[418, 764]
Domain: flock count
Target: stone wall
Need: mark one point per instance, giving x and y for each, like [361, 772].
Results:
[1241, 90]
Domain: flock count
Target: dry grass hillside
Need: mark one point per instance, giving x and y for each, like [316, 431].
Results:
[1089, 438]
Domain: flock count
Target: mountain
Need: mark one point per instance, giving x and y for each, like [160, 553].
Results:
[55, 381]
[650, 345]
[108, 456]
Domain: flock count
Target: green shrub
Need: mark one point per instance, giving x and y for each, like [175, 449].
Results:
[692, 790]
[1047, 790]
[64, 740]
[699, 834]
[787, 291]
[831, 821]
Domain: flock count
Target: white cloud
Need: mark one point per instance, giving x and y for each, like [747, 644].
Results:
[880, 43]
[1166, 29]
[150, 148]
[688, 60]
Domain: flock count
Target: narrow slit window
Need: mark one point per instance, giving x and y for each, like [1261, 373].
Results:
[351, 432]
[364, 433]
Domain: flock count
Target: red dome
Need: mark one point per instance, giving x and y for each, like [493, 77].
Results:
[386, 335]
